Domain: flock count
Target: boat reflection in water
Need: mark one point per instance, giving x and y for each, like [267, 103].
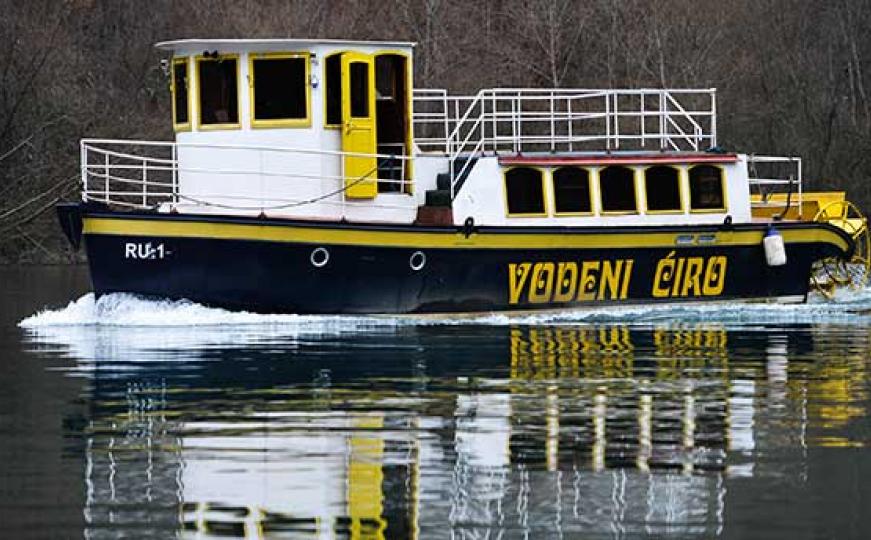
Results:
[406, 431]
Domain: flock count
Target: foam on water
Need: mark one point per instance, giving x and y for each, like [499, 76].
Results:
[125, 310]
[130, 332]
[122, 309]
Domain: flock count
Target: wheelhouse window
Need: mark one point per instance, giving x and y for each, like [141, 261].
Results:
[280, 90]
[524, 192]
[707, 188]
[662, 188]
[219, 93]
[333, 90]
[180, 98]
[617, 188]
[571, 191]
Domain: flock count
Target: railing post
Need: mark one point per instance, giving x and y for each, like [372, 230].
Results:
[174, 155]
[514, 104]
[106, 174]
[799, 188]
[552, 125]
[608, 120]
[262, 181]
[446, 111]
[616, 122]
[83, 160]
[144, 183]
[662, 125]
[342, 182]
[713, 117]
[643, 121]
[569, 120]
[456, 125]
[495, 125]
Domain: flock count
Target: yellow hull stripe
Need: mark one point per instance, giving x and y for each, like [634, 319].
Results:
[423, 239]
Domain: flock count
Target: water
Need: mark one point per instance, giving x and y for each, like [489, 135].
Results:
[125, 418]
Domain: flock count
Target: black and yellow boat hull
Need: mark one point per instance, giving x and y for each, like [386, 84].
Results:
[283, 266]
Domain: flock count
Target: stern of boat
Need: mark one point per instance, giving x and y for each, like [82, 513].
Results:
[837, 266]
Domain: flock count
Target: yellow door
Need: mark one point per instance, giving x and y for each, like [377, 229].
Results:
[358, 125]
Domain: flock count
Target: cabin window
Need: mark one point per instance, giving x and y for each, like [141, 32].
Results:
[706, 188]
[280, 91]
[524, 191]
[333, 89]
[359, 89]
[617, 188]
[219, 97]
[571, 191]
[662, 188]
[180, 97]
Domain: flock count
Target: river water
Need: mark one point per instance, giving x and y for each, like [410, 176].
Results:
[126, 418]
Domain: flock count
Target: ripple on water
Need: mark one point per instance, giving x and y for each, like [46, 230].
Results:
[618, 421]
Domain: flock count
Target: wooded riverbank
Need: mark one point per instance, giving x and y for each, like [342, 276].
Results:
[792, 76]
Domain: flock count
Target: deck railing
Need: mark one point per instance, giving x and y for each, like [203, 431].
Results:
[777, 180]
[145, 174]
[524, 120]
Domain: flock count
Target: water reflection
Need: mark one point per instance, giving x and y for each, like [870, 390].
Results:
[402, 431]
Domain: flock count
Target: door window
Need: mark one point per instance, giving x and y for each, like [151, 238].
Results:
[359, 89]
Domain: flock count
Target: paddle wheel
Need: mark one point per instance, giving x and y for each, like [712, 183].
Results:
[832, 273]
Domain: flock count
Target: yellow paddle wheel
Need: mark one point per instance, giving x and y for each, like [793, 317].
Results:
[829, 274]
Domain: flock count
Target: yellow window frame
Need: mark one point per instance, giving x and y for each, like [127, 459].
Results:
[680, 192]
[217, 127]
[183, 126]
[723, 190]
[604, 212]
[327, 125]
[542, 173]
[589, 171]
[281, 122]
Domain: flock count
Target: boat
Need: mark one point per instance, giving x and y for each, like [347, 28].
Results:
[312, 177]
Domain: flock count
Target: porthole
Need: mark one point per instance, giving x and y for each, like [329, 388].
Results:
[319, 257]
[417, 260]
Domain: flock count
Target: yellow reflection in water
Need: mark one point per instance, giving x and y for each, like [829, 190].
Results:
[836, 387]
[365, 476]
[622, 398]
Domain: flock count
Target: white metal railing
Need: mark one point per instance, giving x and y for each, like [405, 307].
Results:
[146, 174]
[771, 175]
[518, 120]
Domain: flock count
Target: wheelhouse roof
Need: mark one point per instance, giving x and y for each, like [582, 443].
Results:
[276, 43]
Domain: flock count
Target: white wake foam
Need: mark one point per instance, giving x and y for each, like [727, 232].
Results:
[131, 332]
[124, 310]
[129, 310]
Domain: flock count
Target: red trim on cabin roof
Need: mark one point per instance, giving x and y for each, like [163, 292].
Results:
[618, 159]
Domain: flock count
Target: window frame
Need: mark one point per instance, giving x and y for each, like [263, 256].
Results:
[225, 126]
[680, 191]
[602, 210]
[589, 171]
[280, 122]
[181, 126]
[327, 124]
[723, 190]
[544, 196]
